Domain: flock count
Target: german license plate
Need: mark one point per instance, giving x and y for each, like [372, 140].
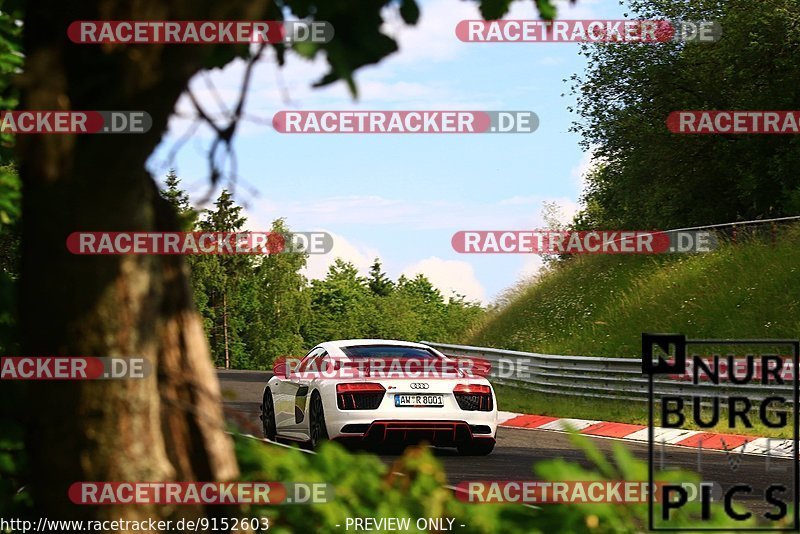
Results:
[419, 400]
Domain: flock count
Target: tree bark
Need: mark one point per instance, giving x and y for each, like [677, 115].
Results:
[225, 329]
[168, 426]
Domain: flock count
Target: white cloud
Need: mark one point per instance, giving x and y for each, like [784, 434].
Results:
[434, 37]
[532, 266]
[567, 207]
[449, 276]
[359, 255]
[512, 213]
[586, 164]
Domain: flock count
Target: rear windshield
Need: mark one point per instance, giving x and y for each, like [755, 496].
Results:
[388, 351]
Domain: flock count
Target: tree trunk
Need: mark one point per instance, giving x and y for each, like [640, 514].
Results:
[168, 426]
[225, 329]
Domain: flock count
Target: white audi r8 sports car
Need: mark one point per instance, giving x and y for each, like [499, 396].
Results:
[374, 391]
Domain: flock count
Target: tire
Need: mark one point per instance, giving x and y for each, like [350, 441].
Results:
[477, 447]
[268, 417]
[317, 431]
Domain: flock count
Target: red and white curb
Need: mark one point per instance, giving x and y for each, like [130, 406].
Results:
[669, 436]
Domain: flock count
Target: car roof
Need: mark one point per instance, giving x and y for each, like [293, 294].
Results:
[334, 347]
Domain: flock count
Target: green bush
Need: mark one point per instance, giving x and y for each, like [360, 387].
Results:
[414, 486]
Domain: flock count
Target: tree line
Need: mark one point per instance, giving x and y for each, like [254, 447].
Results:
[258, 307]
[647, 177]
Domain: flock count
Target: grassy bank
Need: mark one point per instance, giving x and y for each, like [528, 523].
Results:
[600, 305]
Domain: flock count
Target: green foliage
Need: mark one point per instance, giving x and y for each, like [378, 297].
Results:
[217, 282]
[227, 217]
[10, 197]
[277, 305]
[409, 10]
[345, 305]
[11, 60]
[494, 9]
[341, 304]
[15, 501]
[651, 178]
[413, 487]
[10, 237]
[600, 305]
[365, 487]
[379, 283]
[179, 200]
[260, 307]
[427, 304]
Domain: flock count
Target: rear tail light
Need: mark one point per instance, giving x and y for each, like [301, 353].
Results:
[359, 396]
[478, 389]
[473, 397]
[361, 387]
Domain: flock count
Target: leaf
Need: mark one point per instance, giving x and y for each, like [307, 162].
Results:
[409, 11]
[546, 9]
[494, 9]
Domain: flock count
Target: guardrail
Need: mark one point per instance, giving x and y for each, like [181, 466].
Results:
[586, 376]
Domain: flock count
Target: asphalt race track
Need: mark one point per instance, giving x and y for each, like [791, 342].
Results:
[518, 449]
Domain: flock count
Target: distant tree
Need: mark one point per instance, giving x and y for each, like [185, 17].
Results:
[459, 316]
[179, 200]
[278, 304]
[217, 279]
[420, 288]
[552, 216]
[341, 304]
[652, 178]
[553, 220]
[421, 296]
[378, 282]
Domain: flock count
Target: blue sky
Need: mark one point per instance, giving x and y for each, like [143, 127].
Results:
[402, 197]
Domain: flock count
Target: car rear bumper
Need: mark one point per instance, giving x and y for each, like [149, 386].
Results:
[441, 433]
